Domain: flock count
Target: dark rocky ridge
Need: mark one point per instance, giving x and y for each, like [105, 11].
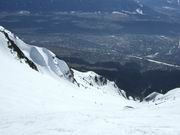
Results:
[20, 54]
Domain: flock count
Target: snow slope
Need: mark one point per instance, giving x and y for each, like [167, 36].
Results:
[41, 103]
[44, 60]
[90, 80]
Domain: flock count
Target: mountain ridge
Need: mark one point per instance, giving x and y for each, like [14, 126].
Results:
[46, 62]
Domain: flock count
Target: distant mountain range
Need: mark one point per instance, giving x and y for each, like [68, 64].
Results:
[85, 5]
[70, 5]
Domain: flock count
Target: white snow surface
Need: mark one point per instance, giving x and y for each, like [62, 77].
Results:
[44, 59]
[91, 81]
[139, 11]
[33, 103]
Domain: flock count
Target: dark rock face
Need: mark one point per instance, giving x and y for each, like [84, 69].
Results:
[20, 54]
[100, 80]
[151, 97]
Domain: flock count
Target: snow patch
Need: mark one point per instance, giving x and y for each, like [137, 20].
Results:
[139, 11]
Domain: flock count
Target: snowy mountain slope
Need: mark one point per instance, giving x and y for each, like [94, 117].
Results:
[37, 58]
[39, 103]
[44, 61]
[160, 98]
[24, 89]
[91, 80]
